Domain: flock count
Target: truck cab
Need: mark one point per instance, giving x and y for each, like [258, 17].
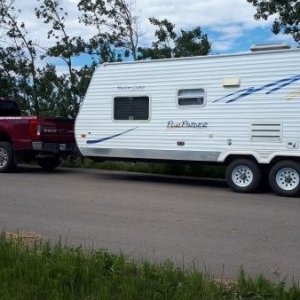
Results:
[23, 138]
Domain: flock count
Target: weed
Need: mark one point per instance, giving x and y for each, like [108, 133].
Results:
[42, 271]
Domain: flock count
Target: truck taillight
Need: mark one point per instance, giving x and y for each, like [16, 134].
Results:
[35, 129]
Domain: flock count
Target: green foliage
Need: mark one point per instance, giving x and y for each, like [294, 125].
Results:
[40, 89]
[7, 81]
[49, 272]
[192, 43]
[117, 29]
[195, 170]
[19, 58]
[66, 48]
[287, 15]
[169, 44]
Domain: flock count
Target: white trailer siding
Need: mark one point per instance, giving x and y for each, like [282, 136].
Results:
[264, 123]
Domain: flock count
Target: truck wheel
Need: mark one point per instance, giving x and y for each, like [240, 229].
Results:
[284, 178]
[49, 163]
[7, 163]
[243, 176]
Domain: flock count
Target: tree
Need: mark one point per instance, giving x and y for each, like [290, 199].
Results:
[65, 48]
[19, 58]
[40, 89]
[192, 43]
[287, 15]
[169, 44]
[117, 28]
[7, 81]
[12, 86]
[163, 46]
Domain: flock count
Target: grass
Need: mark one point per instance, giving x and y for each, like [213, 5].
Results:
[195, 170]
[41, 271]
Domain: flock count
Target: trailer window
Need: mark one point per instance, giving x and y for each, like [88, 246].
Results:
[191, 97]
[131, 108]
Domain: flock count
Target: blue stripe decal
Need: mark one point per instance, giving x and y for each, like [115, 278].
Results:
[275, 86]
[109, 137]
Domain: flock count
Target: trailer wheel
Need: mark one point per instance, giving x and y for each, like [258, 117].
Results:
[284, 178]
[7, 163]
[49, 163]
[243, 176]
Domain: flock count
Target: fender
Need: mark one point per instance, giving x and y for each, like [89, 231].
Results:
[224, 155]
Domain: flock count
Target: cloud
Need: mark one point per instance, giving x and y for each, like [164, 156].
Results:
[221, 46]
[284, 38]
[206, 13]
[225, 21]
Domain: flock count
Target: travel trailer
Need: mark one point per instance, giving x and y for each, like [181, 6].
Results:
[241, 110]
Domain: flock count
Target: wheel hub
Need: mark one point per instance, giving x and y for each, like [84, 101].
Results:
[242, 176]
[287, 179]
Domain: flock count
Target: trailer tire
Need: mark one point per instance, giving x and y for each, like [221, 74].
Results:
[284, 178]
[49, 163]
[7, 159]
[243, 176]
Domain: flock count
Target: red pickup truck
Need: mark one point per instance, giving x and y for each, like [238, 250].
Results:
[45, 140]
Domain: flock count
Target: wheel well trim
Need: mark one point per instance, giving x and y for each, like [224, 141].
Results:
[225, 155]
[254, 155]
[283, 156]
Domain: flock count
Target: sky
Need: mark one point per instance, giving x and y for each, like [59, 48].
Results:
[229, 24]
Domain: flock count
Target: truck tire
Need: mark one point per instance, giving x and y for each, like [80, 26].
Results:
[243, 176]
[284, 178]
[49, 163]
[7, 160]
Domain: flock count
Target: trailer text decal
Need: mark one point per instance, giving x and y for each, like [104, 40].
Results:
[131, 87]
[186, 124]
[270, 88]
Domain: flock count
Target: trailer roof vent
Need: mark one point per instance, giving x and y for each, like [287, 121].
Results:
[269, 47]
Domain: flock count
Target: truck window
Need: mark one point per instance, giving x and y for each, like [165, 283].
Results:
[131, 108]
[9, 109]
[191, 97]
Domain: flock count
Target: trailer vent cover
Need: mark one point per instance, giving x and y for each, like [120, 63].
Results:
[269, 47]
[266, 132]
